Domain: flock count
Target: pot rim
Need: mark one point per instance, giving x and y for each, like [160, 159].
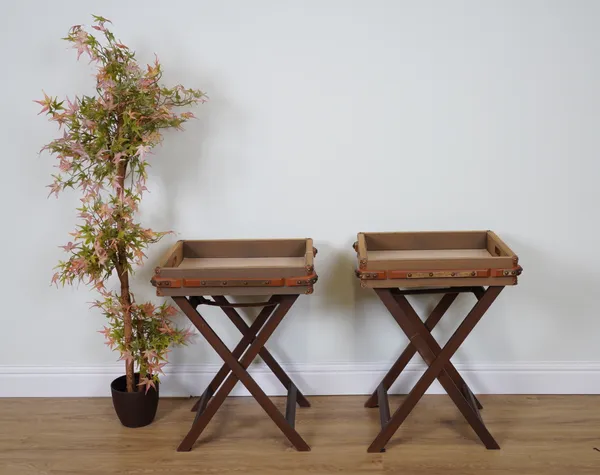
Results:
[122, 378]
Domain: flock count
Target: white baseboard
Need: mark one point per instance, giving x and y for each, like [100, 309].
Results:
[312, 379]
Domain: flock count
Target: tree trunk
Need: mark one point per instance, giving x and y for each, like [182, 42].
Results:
[125, 294]
[127, 326]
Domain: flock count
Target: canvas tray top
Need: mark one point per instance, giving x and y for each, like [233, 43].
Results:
[237, 267]
[435, 259]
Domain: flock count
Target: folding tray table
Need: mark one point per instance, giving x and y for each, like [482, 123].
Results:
[280, 268]
[399, 264]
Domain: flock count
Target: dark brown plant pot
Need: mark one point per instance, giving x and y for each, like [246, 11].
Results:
[134, 409]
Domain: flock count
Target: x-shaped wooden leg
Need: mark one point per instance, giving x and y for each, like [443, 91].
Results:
[238, 372]
[410, 350]
[437, 359]
[249, 334]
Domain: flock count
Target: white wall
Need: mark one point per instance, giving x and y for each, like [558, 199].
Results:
[456, 115]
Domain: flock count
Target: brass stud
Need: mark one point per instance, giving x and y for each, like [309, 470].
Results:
[453, 274]
[245, 283]
[431, 274]
[409, 275]
[473, 274]
[267, 282]
[202, 283]
[298, 282]
[224, 282]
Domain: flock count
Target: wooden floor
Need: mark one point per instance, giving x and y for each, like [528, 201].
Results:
[539, 435]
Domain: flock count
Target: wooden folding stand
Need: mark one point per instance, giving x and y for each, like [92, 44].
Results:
[399, 264]
[282, 269]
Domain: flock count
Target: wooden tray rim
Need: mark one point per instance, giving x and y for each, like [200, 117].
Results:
[168, 275]
[502, 269]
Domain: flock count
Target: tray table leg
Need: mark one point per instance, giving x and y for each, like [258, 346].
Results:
[238, 351]
[449, 369]
[243, 327]
[403, 360]
[437, 358]
[239, 373]
[450, 378]
[410, 350]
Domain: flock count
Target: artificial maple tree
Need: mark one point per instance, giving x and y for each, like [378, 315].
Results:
[103, 154]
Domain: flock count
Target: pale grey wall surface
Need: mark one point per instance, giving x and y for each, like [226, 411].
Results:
[327, 118]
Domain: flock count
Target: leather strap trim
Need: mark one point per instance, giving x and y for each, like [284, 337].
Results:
[300, 281]
[233, 282]
[165, 282]
[365, 274]
[437, 274]
[305, 280]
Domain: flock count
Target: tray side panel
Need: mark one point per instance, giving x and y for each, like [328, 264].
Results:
[248, 291]
[361, 250]
[426, 240]
[497, 247]
[173, 257]
[442, 264]
[427, 283]
[309, 257]
[240, 262]
[245, 248]
[232, 273]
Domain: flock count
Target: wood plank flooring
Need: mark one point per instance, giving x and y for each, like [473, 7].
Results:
[539, 435]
